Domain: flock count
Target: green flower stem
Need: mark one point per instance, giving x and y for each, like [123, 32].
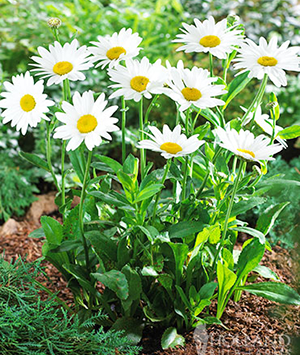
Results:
[66, 97]
[63, 153]
[229, 209]
[142, 151]
[273, 125]
[186, 166]
[211, 65]
[183, 193]
[150, 107]
[48, 153]
[234, 190]
[162, 182]
[201, 188]
[257, 99]
[123, 129]
[82, 197]
[177, 115]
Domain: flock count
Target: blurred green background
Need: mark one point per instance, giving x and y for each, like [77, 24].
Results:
[23, 27]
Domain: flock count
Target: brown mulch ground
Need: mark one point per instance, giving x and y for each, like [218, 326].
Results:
[254, 325]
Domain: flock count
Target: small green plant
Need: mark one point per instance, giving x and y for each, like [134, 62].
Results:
[286, 228]
[16, 189]
[29, 325]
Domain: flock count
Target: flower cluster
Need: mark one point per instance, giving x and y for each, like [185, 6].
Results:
[87, 120]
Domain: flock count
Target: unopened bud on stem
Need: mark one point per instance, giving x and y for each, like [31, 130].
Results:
[54, 22]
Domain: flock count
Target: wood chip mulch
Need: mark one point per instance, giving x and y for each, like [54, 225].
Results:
[254, 325]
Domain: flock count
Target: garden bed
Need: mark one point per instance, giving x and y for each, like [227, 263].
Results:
[254, 325]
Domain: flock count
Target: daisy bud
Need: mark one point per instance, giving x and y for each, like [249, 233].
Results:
[271, 105]
[256, 171]
[54, 22]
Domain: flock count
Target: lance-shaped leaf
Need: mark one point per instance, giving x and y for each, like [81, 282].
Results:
[35, 160]
[268, 217]
[290, 132]
[114, 280]
[274, 291]
[236, 86]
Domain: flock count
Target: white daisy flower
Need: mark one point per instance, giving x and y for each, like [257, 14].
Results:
[170, 144]
[110, 50]
[24, 102]
[208, 36]
[193, 87]
[245, 145]
[267, 59]
[86, 120]
[62, 62]
[138, 79]
[265, 123]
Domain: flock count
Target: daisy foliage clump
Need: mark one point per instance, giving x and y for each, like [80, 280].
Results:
[158, 227]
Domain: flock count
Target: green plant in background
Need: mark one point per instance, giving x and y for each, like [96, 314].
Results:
[286, 228]
[16, 188]
[29, 325]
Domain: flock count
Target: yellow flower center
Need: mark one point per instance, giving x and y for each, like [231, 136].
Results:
[210, 41]
[139, 83]
[62, 68]
[247, 151]
[86, 123]
[171, 148]
[27, 103]
[267, 61]
[191, 94]
[115, 52]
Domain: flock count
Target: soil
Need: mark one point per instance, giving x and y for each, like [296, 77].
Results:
[252, 326]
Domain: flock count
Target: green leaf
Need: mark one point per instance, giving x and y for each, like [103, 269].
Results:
[148, 191]
[134, 282]
[268, 217]
[249, 258]
[184, 229]
[246, 205]
[253, 232]
[207, 290]
[266, 272]
[180, 252]
[35, 160]
[214, 234]
[103, 245]
[37, 233]
[170, 339]
[112, 199]
[236, 86]
[114, 280]
[290, 132]
[183, 297]
[113, 164]
[274, 291]
[132, 328]
[78, 163]
[67, 245]
[131, 166]
[53, 230]
[81, 276]
[166, 281]
[210, 116]
[202, 130]
[226, 279]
